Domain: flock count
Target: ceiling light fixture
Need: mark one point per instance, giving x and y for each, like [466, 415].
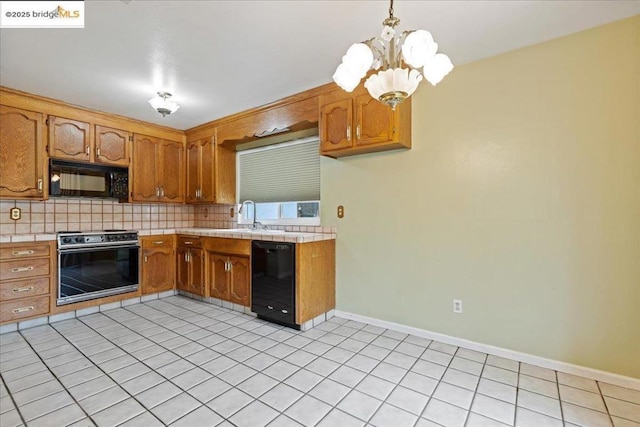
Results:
[393, 84]
[163, 105]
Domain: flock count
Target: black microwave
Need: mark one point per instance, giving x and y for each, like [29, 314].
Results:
[70, 179]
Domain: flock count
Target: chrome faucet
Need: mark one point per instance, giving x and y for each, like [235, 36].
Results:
[256, 224]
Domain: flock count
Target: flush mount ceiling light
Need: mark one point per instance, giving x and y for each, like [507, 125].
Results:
[163, 105]
[399, 59]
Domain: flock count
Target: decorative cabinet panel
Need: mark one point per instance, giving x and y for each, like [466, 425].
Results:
[201, 171]
[112, 146]
[157, 170]
[229, 278]
[70, 139]
[26, 280]
[22, 156]
[355, 123]
[190, 266]
[158, 266]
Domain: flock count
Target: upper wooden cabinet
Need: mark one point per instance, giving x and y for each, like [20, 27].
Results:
[356, 124]
[22, 157]
[69, 139]
[157, 170]
[112, 146]
[77, 141]
[211, 172]
[201, 171]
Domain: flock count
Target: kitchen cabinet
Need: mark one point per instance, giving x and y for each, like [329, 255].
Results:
[190, 265]
[211, 172]
[22, 158]
[76, 140]
[157, 170]
[355, 123]
[69, 139]
[201, 171]
[112, 146]
[228, 269]
[158, 265]
[27, 280]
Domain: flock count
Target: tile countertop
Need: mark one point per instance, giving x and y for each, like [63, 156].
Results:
[288, 236]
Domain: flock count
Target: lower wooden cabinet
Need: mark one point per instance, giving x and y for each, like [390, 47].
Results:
[228, 278]
[158, 264]
[190, 270]
[26, 280]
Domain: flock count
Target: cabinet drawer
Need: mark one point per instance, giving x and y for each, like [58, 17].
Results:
[24, 268]
[228, 246]
[190, 241]
[24, 288]
[154, 241]
[24, 251]
[12, 311]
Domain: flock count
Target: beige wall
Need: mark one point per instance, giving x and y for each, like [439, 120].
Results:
[521, 197]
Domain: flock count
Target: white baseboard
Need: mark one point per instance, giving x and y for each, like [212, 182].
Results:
[556, 365]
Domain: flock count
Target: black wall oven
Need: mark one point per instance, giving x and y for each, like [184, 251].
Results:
[96, 264]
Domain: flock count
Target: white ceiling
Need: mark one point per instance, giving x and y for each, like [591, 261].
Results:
[221, 57]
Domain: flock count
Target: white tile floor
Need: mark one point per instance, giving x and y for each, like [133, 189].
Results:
[181, 362]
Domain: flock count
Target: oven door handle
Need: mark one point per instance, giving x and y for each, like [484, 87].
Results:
[97, 248]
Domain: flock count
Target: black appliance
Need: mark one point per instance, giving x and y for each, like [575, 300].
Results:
[87, 180]
[96, 264]
[273, 282]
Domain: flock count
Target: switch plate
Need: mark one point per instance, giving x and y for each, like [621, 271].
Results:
[16, 214]
[457, 306]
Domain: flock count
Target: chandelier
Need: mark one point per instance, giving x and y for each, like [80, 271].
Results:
[163, 105]
[401, 60]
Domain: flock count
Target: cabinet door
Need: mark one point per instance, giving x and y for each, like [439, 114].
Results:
[171, 178]
[196, 277]
[207, 171]
[193, 171]
[143, 169]
[335, 125]
[22, 157]
[218, 278]
[182, 269]
[240, 290]
[158, 269]
[225, 174]
[112, 146]
[69, 139]
[375, 121]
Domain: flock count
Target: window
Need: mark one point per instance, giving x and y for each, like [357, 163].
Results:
[283, 181]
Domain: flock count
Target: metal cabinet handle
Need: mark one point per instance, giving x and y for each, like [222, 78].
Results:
[23, 289]
[98, 151]
[158, 192]
[270, 307]
[21, 269]
[88, 150]
[186, 257]
[161, 191]
[40, 185]
[146, 259]
[158, 242]
[188, 243]
[358, 131]
[18, 253]
[22, 309]
[349, 132]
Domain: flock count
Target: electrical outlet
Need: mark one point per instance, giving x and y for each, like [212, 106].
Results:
[16, 214]
[457, 306]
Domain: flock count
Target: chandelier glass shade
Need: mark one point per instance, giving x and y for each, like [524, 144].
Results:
[402, 62]
[163, 105]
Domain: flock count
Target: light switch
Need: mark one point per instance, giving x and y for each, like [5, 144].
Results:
[16, 214]
[340, 211]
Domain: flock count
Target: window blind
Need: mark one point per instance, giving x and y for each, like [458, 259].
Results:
[289, 172]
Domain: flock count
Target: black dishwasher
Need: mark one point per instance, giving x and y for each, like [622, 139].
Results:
[273, 282]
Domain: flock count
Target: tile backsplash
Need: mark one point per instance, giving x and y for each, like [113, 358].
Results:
[216, 216]
[91, 215]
